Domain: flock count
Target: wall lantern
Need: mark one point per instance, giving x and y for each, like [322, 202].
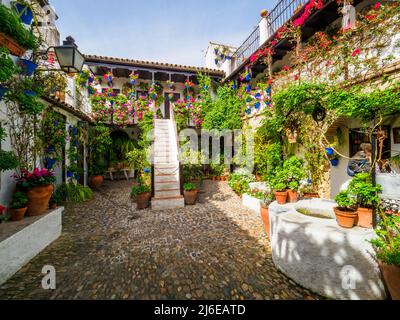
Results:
[69, 57]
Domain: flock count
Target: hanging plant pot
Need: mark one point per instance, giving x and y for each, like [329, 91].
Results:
[3, 91]
[25, 13]
[30, 93]
[50, 163]
[70, 174]
[12, 46]
[335, 162]
[27, 66]
[329, 151]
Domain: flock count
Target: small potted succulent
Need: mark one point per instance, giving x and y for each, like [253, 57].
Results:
[387, 248]
[190, 193]
[346, 214]
[18, 206]
[367, 196]
[266, 202]
[141, 194]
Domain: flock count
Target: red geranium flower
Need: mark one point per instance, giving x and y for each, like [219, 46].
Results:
[356, 52]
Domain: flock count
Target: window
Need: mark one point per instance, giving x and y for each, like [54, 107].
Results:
[357, 137]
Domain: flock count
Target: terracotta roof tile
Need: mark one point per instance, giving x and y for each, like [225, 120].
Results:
[161, 65]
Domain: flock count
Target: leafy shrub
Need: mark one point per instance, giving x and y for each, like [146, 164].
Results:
[7, 67]
[18, 201]
[387, 243]
[345, 201]
[11, 25]
[189, 187]
[75, 193]
[240, 182]
[8, 160]
[367, 194]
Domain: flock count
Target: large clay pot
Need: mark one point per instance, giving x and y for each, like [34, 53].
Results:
[96, 182]
[346, 219]
[293, 196]
[281, 197]
[265, 219]
[142, 201]
[365, 219]
[190, 197]
[391, 274]
[17, 214]
[38, 200]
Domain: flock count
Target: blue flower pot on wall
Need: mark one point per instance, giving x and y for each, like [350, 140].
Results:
[30, 93]
[70, 174]
[50, 163]
[27, 66]
[257, 105]
[24, 12]
[3, 91]
[329, 151]
[335, 162]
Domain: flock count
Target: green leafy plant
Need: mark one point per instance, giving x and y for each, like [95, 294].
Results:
[293, 168]
[137, 159]
[74, 193]
[240, 182]
[8, 160]
[139, 189]
[7, 67]
[345, 201]
[387, 243]
[11, 25]
[18, 201]
[366, 193]
[189, 187]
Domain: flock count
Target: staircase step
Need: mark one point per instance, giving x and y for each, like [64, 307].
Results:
[174, 185]
[167, 193]
[167, 203]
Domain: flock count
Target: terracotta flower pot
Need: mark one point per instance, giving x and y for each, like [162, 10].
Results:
[265, 219]
[311, 196]
[12, 46]
[142, 201]
[38, 200]
[293, 196]
[391, 274]
[17, 214]
[190, 197]
[346, 219]
[281, 197]
[96, 182]
[365, 218]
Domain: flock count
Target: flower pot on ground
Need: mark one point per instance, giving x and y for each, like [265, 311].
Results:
[18, 206]
[39, 188]
[346, 215]
[141, 194]
[391, 275]
[264, 211]
[367, 196]
[96, 182]
[190, 193]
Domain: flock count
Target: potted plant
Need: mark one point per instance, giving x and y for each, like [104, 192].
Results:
[346, 214]
[96, 178]
[387, 247]
[268, 199]
[141, 194]
[293, 195]
[281, 193]
[55, 200]
[367, 196]
[190, 193]
[39, 188]
[18, 206]
[294, 173]
[3, 216]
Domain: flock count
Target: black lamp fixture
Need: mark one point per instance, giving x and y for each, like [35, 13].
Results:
[69, 57]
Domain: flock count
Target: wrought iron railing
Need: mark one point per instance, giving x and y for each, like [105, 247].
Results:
[282, 13]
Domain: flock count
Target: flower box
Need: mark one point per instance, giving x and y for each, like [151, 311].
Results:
[12, 46]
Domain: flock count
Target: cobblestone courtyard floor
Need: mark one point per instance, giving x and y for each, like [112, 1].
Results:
[214, 250]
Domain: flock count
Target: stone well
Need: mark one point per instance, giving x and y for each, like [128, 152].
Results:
[321, 256]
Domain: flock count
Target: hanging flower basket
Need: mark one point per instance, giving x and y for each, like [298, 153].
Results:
[3, 91]
[12, 46]
[27, 66]
[25, 13]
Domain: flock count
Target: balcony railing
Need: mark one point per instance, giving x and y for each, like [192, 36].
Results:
[282, 13]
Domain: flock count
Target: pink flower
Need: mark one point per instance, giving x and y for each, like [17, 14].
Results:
[286, 68]
[377, 6]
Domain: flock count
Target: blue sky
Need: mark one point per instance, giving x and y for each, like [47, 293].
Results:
[175, 31]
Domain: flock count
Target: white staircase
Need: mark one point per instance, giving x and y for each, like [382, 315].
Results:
[167, 190]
